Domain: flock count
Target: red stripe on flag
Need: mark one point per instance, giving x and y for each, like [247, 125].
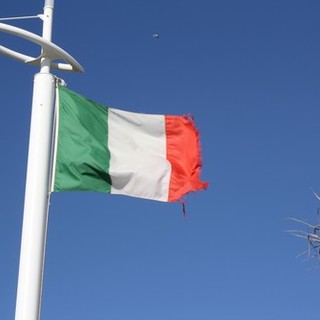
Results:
[184, 154]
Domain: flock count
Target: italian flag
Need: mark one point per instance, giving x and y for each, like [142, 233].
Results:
[119, 152]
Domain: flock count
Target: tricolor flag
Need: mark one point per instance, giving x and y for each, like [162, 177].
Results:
[113, 151]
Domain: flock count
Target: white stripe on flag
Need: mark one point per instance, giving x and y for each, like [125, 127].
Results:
[138, 164]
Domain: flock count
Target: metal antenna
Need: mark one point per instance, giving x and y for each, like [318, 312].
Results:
[38, 16]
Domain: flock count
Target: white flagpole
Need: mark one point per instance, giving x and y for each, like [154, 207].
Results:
[35, 214]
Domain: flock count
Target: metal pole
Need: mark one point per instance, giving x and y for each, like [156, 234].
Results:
[35, 214]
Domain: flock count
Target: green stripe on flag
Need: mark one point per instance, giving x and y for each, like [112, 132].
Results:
[82, 159]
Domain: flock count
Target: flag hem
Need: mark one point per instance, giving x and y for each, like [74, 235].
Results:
[56, 134]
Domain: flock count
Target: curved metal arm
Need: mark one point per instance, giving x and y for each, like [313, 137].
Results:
[49, 50]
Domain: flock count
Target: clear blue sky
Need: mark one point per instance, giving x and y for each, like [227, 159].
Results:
[249, 72]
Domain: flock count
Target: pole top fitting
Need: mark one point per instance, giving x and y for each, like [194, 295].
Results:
[49, 3]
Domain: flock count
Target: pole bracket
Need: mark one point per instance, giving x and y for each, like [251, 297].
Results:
[49, 50]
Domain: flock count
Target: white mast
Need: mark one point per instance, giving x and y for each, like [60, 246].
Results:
[35, 214]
